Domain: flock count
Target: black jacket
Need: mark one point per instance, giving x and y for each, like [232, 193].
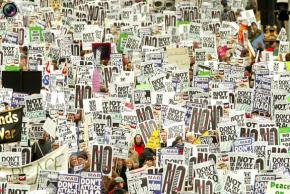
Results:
[147, 152]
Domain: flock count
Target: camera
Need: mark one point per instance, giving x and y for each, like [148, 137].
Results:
[9, 10]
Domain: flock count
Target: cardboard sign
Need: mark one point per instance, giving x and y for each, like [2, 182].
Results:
[34, 108]
[120, 139]
[138, 185]
[278, 186]
[67, 184]
[17, 188]
[102, 159]
[90, 183]
[174, 177]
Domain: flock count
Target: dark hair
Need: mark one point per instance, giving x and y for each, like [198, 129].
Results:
[248, 68]
[287, 57]
[83, 155]
[149, 158]
[141, 139]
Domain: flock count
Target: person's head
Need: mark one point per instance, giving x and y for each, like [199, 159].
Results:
[149, 161]
[45, 136]
[73, 160]
[287, 57]
[130, 163]
[190, 137]
[254, 26]
[248, 71]
[178, 140]
[119, 182]
[82, 158]
[138, 139]
[163, 135]
[120, 162]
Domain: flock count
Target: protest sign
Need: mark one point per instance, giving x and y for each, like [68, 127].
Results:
[284, 134]
[90, 182]
[47, 180]
[120, 139]
[34, 108]
[228, 132]
[67, 184]
[174, 177]
[154, 183]
[17, 188]
[261, 182]
[282, 118]
[278, 186]
[244, 100]
[232, 184]
[102, 159]
[138, 185]
[11, 159]
[243, 144]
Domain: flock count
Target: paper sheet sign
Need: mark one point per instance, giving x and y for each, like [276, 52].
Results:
[154, 140]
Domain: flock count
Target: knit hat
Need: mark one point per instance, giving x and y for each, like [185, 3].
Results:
[119, 180]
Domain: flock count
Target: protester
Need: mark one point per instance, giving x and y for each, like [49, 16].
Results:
[41, 147]
[148, 152]
[163, 136]
[116, 186]
[138, 145]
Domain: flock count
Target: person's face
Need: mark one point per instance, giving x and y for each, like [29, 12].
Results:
[138, 139]
[81, 161]
[247, 74]
[120, 162]
[163, 136]
[129, 165]
[45, 136]
[190, 139]
[74, 161]
[254, 26]
[149, 163]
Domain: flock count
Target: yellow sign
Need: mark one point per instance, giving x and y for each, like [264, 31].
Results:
[154, 140]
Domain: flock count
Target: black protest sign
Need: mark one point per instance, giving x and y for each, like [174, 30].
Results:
[34, 107]
[174, 178]
[68, 184]
[102, 157]
[138, 185]
[201, 186]
[3, 186]
[90, 183]
[108, 73]
[11, 125]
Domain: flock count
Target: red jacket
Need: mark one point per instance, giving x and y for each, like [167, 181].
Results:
[139, 149]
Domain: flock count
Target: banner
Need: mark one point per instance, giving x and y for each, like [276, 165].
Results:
[11, 125]
[17, 188]
[56, 160]
[278, 186]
